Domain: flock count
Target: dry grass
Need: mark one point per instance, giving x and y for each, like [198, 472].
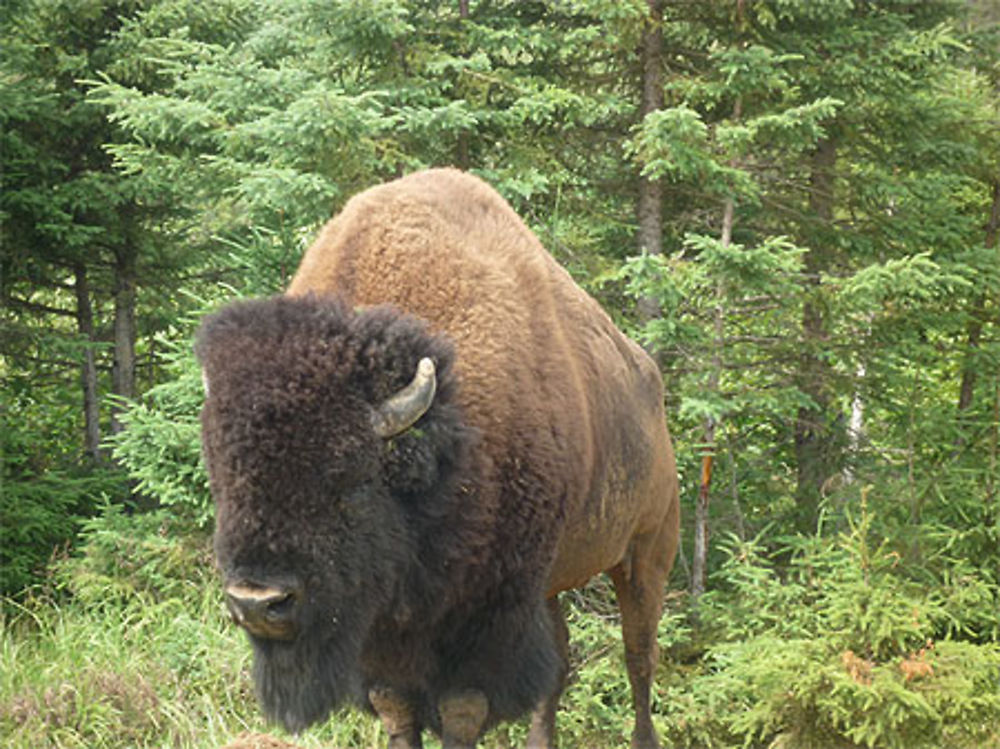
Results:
[249, 740]
[130, 701]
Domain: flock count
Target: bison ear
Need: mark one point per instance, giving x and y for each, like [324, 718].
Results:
[399, 412]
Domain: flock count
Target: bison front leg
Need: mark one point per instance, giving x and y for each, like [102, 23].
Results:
[398, 718]
[639, 581]
[543, 720]
[463, 715]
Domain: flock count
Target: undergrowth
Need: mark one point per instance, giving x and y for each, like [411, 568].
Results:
[840, 646]
[824, 643]
[128, 645]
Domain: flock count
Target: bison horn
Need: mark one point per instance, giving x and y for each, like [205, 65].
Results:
[399, 412]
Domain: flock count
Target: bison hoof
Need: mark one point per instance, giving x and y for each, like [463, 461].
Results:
[463, 716]
[397, 718]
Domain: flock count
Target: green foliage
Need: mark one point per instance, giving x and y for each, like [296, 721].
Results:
[728, 310]
[840, 646]
[161, 444]
[78, 240]
[44, 492]
[122, 557]
[38, 515]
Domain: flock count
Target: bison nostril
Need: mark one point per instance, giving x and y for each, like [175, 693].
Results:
[265, 611]
[283, 606]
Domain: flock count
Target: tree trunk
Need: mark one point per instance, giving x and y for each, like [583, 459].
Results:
[994, 460]
[974, 330]
[816, 440]
[699, 562]
[649, 208]
[123, 372]
[88, 372]
[462, 159]
[856, 425]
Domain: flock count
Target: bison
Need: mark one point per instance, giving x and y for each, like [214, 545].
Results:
[413, 450]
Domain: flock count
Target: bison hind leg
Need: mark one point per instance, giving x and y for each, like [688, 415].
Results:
[639, 583]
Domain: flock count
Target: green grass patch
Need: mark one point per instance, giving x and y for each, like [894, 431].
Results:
[128, 646]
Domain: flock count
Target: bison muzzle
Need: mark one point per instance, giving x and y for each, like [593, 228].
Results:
[413, 450]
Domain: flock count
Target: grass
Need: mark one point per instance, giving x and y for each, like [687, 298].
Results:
[138, 670]
[142, 674]
[128, 647]
[137, 675]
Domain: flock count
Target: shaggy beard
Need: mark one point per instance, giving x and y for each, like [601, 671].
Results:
[300, 683]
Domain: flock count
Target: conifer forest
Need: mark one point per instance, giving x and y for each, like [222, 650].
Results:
[794, 205]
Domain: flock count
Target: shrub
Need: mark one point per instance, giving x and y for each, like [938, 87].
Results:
[161, 443]
[43, 497]
[124, 556]
[840, 647]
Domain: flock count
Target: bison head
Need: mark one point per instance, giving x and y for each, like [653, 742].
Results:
[320, 482]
